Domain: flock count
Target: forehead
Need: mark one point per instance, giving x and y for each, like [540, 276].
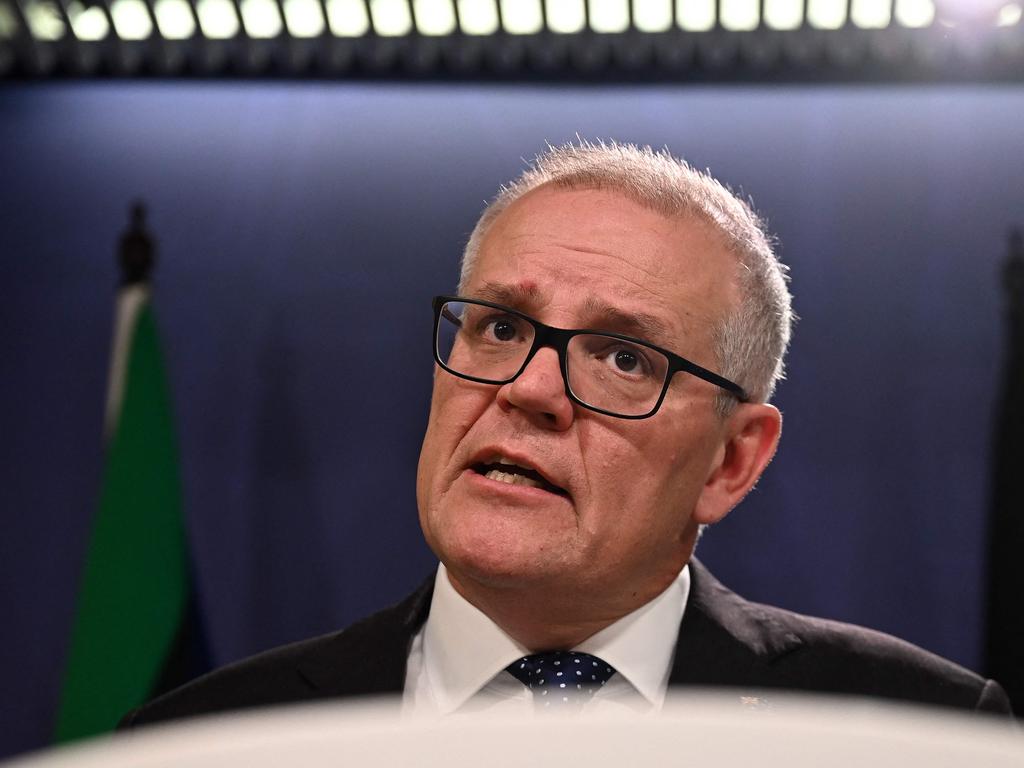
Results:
[596, 255]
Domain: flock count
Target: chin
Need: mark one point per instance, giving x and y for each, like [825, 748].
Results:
[495, 559]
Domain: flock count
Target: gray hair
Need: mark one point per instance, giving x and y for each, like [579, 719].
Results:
[751, 342]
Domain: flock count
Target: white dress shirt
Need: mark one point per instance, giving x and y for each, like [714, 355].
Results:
[457, 660]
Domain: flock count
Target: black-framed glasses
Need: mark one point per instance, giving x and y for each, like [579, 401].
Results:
[606, 372]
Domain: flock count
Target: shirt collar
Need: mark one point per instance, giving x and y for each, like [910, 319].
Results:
[463, 649]
[641, 644]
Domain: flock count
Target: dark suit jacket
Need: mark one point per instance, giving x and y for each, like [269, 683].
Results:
[724, 640]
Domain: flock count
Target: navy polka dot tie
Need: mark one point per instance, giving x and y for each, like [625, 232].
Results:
[561, 679]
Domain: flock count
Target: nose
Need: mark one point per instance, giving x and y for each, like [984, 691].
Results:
[539, 393]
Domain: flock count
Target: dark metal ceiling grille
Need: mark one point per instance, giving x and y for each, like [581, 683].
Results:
[575, 40]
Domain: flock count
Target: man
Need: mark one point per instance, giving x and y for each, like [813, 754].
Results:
[602, 394]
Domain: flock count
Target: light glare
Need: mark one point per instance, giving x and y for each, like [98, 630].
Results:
[261, 18]
[88, 23]
[131, 19]
[174, 17]
[1009, 15]
[478, 17]
[783, 14]
[217, 19]
[304, 18]
[566, 16]
[652, 15]
[347, 18]
[695, 15]
[391, 18]
[915, 13]
[521, 17]
[434, 17]
[609, 16]
[826, 14]
[739, 15]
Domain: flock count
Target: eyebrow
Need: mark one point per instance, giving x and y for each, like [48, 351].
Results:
[515, 296]
[640, 324]
[601, 315]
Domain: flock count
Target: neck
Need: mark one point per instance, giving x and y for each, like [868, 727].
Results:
[551, 623]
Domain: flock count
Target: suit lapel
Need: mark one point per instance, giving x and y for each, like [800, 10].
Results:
[375, 651]
[725, 640]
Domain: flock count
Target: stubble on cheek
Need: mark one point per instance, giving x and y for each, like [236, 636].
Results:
[432, 486]
[454, 411]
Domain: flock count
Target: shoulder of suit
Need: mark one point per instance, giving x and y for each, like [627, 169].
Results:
[366, 658]
[790, 650]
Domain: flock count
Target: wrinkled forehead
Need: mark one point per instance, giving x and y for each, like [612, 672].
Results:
[591, 310]
[614, 262]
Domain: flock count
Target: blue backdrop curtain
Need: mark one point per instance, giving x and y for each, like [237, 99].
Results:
[303, 229]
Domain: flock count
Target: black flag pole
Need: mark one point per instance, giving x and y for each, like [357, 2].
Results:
[136, 253]
[1005, 627]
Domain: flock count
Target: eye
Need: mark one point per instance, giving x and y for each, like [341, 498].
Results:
[503, 330]
[499, 328]
[627, 359]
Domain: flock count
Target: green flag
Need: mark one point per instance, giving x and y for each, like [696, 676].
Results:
[135, 583]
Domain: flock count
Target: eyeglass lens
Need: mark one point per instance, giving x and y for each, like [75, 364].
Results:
[605, 372]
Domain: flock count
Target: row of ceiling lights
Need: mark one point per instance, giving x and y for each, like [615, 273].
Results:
[224, 19]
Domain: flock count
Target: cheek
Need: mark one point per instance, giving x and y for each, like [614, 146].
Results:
[454, 410]
[648, 474]
[686, 464]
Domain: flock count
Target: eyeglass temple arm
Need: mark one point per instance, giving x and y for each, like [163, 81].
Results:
[713, 378]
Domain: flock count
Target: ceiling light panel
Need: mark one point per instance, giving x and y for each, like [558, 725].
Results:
[826, 14]
[434, 17]
[217, 18]
[391, 18]
[566, 16]
[44, 20]
[783, 14]
[652, 15]
[609, 16]
[871, 14]
[1010, 15]
[478, 17]
[88, 23]
[915, 13]
[174, 19]
[304, 18]
[695, 15]
[739, 15]
[347, 18]
[522, 17]
[8, 22]
[261, 18]
[131, 19]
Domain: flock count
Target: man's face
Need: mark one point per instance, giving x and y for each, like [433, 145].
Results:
[622, 526]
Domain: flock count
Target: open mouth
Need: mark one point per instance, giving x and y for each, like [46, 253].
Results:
[513, 474]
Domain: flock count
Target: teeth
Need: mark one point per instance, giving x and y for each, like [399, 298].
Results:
[499, 459]
[510, 478]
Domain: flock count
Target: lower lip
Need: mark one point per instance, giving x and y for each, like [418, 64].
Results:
[524, 493]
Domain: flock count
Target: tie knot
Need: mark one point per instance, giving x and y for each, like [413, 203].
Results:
[559, 679]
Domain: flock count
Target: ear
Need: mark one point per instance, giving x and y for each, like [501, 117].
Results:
[750, 436]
